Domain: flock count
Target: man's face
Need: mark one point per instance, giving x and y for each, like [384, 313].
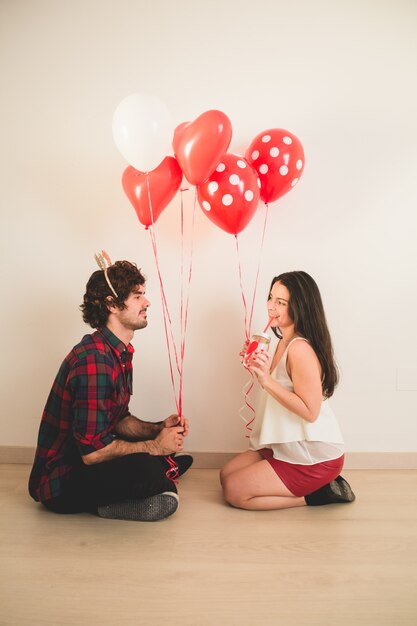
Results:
[134, 316]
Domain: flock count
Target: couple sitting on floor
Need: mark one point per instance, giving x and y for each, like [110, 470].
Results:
[93, 455]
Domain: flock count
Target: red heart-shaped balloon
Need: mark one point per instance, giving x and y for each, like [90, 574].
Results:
[160, 186]
[230, 196]
[199, 145]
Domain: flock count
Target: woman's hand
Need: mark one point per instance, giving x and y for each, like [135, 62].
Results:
[243, 350]
[260, 364]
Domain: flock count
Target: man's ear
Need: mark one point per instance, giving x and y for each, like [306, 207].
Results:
[110, 304]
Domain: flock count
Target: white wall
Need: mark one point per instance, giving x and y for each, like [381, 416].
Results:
[340, 75]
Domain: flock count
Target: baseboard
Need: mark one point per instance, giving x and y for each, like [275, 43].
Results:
[353, 460]
[17, 454]
[215, 460]
[381, 460]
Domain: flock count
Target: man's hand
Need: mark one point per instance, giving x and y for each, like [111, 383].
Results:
[165, 438]
[171, 438]
[177, 420]
[169, 441]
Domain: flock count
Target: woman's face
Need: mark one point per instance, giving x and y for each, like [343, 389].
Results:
[278, 304]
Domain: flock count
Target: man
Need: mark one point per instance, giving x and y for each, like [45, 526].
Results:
[92, 454]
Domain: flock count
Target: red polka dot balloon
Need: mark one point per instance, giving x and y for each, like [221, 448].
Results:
[230, 196]
[278, 157]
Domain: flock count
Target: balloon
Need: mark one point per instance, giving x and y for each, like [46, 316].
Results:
[142, 130]
[230, 196]
[164, 182]
[278, 157]
[199, 145]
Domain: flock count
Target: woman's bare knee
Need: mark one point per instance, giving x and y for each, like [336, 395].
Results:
[232, 493]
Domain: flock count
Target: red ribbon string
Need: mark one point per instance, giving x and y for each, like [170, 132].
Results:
[184, 309]
[173, 353]
[248, 318]
[259, 265]
[172, 472]
[245, 307]
[247, 388]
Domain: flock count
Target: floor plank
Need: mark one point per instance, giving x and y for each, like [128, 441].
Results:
[212, 565]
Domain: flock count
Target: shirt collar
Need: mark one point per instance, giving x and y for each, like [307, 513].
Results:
[115, 342]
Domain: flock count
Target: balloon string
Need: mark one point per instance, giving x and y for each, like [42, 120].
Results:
[165, 310]
[184, 310]
[181, 305]
[247, 388]
[166, 319]
[172, 472]
[245, 307]
[248, 322]
[259, 265]
[184, 303]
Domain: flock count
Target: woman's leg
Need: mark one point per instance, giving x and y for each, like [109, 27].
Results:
[256, 487]
[238, 462]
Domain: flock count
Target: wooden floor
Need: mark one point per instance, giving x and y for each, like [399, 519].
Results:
[212, 565]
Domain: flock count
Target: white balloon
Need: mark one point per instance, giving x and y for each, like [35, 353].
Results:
[143, 131]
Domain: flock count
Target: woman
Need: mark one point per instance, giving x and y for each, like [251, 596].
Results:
[296, 450]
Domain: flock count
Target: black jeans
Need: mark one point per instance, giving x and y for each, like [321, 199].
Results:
[133, 476]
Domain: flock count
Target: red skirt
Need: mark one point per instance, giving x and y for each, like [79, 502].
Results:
[304, 479]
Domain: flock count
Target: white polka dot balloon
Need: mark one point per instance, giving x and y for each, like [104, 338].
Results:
[278, 158]
[230, 196]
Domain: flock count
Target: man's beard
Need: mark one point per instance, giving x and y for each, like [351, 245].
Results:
[138, 324]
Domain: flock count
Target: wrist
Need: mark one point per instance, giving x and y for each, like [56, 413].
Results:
[264, 381]
[150, 447]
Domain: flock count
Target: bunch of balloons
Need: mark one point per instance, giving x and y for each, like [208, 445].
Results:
[229, 186]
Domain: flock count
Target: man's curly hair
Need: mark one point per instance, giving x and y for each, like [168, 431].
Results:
[124, 276]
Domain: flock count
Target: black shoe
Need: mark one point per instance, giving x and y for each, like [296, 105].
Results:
[346, 493]
[177, 464]
[183, 461]
[150, 509]
[335, 492]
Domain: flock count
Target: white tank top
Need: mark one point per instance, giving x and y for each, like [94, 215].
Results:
[291, 438]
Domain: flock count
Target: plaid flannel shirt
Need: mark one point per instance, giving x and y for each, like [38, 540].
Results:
[89, 396]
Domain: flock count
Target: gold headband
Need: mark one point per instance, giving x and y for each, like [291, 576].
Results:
[104, 262]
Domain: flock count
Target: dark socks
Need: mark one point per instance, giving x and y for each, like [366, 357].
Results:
[335, 492]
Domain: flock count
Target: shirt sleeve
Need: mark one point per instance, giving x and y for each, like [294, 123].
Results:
[94, 401]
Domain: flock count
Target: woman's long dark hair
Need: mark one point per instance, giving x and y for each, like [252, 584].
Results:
[306, 310]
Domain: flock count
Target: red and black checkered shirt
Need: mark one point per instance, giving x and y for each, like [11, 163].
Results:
[90, 395]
